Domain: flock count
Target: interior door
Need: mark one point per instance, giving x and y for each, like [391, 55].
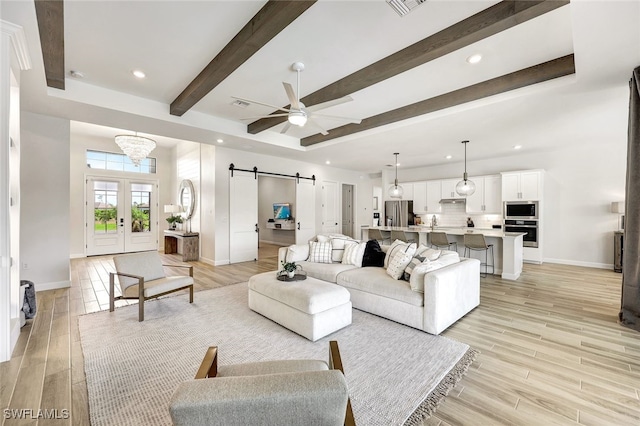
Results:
[105, 216]
[330, 208]
[243, 217]
[305, 211]
[347, 210]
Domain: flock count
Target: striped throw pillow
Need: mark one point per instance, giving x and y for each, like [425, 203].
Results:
[398, 263]
[353, 254]
[319, 252]
[415, 261]
[338, 245]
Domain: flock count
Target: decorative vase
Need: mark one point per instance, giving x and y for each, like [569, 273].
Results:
[291, 274]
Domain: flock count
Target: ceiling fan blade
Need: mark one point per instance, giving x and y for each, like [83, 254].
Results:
[258, 117]
[335, 117]
[334, 102]
[293, 100]
[260, 103]
[285, 128]
[316, 125]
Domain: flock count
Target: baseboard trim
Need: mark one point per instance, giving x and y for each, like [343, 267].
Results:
[77, 256]
[207, 261]
[276, 243]
[222, 262]
[52, 285]
[580, 263]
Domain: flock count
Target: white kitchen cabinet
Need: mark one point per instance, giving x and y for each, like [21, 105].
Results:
[524, 185]
[434, 194]
[448, 189]
[475, 201]
[487, 197]
[407, 193]
[420, 197]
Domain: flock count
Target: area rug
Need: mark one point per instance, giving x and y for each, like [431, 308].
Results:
[396, 375]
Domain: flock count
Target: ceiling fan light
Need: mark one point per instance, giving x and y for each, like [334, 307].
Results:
[297, 118]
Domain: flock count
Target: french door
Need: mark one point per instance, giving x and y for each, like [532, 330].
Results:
[121, 215]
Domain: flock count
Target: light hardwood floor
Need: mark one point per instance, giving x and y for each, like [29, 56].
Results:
[551, 350]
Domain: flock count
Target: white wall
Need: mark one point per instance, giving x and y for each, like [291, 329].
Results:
[275, 190]
[247, 160]
[207, 203]
[44, 210]
[188, 164]
[78, 170]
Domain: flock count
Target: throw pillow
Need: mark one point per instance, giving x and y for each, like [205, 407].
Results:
[415, 261]
[399, 245]
[431, 254]
[421, 248]
[373, 254]
[338, 245]
[353, 254]
[398, 263]
[319, 252]
[297, 253]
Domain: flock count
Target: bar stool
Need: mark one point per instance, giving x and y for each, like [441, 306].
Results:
[402, 236]
[376, 234]
[439, 239]
[477, 242]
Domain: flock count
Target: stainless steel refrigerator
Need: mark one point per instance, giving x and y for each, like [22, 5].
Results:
[399, 213]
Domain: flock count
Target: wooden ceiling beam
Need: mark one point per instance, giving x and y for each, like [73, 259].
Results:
[274, 17]
[536, 74]
[486, 23]
[50, 17]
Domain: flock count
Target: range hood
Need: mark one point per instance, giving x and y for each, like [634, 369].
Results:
[453, 201]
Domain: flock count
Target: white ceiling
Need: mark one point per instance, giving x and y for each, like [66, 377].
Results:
[172, 41]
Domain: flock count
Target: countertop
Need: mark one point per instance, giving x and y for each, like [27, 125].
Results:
[459, 230]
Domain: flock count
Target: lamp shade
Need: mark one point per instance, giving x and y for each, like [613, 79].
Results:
[172, 208]
[617, 207]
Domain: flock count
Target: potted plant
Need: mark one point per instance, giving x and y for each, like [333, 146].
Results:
[173, 220]
[289, 268]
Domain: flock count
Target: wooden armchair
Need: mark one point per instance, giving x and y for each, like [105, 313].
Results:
[142, 277]
[264, 393]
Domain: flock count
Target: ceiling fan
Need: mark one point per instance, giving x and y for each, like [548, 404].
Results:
[298, 113]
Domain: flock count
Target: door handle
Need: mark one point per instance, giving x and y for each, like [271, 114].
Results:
[257, 230]
[298, 226]
[121, 221]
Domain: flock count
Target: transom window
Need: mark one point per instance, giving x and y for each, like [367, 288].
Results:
[119, 162]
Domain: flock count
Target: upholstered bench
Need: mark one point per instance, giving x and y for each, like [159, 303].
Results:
[311, 308]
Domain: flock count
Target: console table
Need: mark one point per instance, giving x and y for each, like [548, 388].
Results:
[185, 243]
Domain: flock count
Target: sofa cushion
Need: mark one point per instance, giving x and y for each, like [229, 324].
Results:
[325, 271]
[417, 276]
[398, 245]
[376, 281]
[297, 253]
[338, 245]
[353, 254]
[373, 254]
[398, 263]
[319, 252]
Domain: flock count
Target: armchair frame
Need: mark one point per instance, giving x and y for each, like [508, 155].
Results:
[141, 298]
[209, 369]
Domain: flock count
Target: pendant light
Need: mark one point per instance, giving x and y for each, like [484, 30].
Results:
[395, 190]
[465, 187]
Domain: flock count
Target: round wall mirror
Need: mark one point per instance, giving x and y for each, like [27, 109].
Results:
[187, 198]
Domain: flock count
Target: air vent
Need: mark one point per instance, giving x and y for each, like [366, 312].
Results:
[240, 104]
[403, 7]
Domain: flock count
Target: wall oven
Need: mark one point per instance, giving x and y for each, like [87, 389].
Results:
[518, 210]
[528, 227]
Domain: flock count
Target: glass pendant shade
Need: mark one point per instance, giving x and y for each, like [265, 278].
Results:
[395, 190]
[465, 187]
[137, 148]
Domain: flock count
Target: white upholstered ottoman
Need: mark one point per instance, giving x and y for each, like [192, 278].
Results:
[311, 308]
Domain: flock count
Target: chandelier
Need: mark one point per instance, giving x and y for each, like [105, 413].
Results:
[136, 147]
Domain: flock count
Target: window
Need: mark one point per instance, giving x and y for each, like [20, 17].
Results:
[119, 162]
[105, 202]
[140, 210]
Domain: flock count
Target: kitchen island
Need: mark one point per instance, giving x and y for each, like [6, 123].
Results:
[507, 246]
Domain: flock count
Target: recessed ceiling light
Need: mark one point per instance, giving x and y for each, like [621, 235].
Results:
[76, 74]
[327, 162]
[448, 157]
[474, 59]
[138, 74]
[517, 146]
[219, 140]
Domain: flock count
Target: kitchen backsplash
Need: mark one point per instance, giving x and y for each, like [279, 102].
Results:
[454, 215]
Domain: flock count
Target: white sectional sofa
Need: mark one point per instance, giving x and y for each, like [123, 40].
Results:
[449, 292]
